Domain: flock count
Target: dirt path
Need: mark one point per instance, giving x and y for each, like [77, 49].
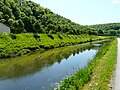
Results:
[117, 72]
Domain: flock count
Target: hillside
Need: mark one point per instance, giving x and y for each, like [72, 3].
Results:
[107, 29]
[26, 16]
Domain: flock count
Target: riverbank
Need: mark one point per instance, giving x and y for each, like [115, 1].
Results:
[28, 64]
[12, 45]
[35, 69]
[97, 75]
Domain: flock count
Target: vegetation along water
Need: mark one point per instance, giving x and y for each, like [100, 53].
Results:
[97, 74]
[34, 71]
[12, 45]
[41, 50]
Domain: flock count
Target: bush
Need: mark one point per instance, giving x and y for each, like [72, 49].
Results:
[13, 36]
[50, 36]
[37, 37]
[60, 37]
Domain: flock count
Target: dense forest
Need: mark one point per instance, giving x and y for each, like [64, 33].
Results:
[111, 29]
[26, 16]
[23, 16]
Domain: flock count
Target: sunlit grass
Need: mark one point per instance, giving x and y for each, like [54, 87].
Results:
[19, 44]
[97, 74]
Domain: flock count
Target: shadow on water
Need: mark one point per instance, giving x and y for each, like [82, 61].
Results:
[41, 71]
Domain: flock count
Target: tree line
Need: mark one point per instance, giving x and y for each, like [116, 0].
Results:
[25, 16]
[112, 29]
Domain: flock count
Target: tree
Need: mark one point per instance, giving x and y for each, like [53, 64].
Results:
[10, 22]
[2, 20]
[1, 15]
[7, 10]
[100, 32]
[112, 32]
[17, 12]
[37, 27]
[4, 1]
[21, 26]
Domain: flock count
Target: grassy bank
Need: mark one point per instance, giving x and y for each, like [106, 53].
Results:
[19, 44]
[98, 73]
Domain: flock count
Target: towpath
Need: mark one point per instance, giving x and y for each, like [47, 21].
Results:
[117, 72]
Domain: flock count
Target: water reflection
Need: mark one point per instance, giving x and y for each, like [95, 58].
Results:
[20, 66]
[42, 71]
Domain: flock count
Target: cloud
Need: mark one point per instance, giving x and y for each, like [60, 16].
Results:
[115, 1]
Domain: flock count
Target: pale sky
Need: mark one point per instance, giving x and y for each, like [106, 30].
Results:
[85, 12]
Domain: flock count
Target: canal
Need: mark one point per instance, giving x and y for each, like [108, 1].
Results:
[43, 71]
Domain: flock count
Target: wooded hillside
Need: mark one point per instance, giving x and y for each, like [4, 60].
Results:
[26, 16]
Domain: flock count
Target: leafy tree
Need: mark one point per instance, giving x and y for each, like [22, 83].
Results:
[27, 16]
[112, 32]
[10, 22]
[21, 26]
[7, 10]
[100, 32]
[16, 12]
[1, 15]
[4, 1]
[37, 27]
[2, 20]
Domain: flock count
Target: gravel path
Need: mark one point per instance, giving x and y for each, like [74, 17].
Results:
[117, 72]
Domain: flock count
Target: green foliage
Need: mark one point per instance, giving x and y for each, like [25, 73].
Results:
[104, 70]
[83, 76]
[13, 36]
[29, 17]
[60, 36]
[111, 29]
[50, 36]
[19, 44]
[37, 27]
[37, 37]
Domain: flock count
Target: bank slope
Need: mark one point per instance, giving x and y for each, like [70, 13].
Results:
[19, 44]
[98, 73]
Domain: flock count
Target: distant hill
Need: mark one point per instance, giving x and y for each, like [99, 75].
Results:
[107, 29]
[108, 26]
[27, 16]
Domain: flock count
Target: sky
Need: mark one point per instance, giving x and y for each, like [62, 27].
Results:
[85, 12]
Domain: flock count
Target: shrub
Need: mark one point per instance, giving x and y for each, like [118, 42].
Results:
[60, 37]
[37, 37]
[50, 36]
[13, 36]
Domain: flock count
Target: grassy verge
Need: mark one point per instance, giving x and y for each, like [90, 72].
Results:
[98, 73]
[12, 45]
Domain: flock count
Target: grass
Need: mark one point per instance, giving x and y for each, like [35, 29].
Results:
[12, 45]
[103, 71]
[97, 74]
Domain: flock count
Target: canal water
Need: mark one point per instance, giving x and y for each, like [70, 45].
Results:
[43, 71]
